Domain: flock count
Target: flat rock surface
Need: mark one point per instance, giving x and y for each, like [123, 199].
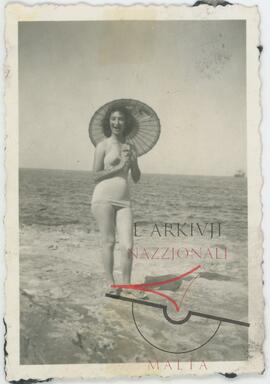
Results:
[66, 318]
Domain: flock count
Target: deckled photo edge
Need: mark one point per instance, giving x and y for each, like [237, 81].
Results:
[14, 369]
[255, 183]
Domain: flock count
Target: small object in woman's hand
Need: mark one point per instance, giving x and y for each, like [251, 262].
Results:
[133, 155]
[125, 149]
[125, 152]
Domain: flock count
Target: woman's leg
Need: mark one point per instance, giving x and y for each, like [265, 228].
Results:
[124, 222]
[105, 216]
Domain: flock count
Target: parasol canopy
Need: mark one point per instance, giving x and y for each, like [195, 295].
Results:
[145, 129]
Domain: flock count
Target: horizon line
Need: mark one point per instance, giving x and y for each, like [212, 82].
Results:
[147, 173]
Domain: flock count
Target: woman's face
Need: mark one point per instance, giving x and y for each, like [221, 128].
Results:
[117, 123]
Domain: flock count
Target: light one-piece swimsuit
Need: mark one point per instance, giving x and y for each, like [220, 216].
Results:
[113, 190]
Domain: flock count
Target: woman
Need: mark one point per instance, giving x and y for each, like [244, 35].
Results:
[113, 161]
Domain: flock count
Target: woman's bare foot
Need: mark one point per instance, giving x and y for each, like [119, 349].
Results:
[113, 291]
[135, 294]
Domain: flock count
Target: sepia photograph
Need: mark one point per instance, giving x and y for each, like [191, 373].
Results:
[134, 214]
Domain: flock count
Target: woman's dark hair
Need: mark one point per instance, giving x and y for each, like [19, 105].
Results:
[130, 121]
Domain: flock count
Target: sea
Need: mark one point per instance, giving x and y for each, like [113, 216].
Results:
[62, 199]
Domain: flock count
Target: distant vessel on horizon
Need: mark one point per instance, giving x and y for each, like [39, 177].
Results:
[239, 173]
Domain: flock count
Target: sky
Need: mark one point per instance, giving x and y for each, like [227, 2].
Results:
[192, 73]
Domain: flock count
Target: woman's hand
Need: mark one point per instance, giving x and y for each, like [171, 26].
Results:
[133, 156]
[125, 155]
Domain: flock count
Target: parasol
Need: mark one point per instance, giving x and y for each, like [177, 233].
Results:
[145, 130]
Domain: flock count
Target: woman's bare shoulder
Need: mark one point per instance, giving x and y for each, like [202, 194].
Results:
[102, 145]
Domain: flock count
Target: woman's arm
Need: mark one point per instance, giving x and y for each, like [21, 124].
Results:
[134, 167]
[98, 169]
